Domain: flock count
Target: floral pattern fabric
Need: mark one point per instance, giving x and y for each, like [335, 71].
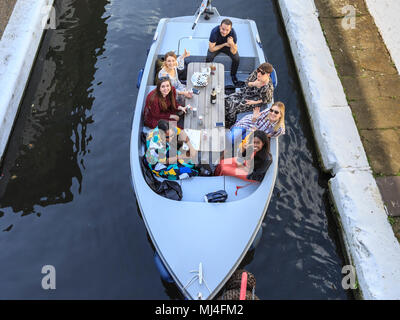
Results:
[236, 102]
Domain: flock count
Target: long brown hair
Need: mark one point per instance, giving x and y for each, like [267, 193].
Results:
[262, 154]
[170, 96]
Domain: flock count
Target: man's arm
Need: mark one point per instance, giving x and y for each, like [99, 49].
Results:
[232, 45]
[213, 47]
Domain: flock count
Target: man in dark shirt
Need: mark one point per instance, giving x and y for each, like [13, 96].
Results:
[223, 39]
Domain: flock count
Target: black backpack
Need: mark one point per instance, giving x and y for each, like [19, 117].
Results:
[167, 188]
[217, 196]
[170, 189]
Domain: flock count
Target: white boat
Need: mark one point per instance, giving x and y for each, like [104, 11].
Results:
[201, 244]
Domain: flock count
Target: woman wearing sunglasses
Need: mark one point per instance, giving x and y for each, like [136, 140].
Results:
[271, 121]
[258, 90]
[161, 104]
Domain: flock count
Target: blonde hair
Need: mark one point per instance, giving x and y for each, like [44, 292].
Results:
[168, 54]
[281, 122]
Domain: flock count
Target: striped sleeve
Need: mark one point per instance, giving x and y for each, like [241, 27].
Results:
[279, 132]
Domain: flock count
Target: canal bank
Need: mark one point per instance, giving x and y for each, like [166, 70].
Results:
[368, 237]
[371, 80]
[6, 8]
[24, 22]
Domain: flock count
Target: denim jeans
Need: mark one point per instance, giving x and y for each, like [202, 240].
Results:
[235, 135]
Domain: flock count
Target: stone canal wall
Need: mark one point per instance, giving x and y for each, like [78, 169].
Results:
[386, 16]
[369, 240]
[18, 47]
[6, 8]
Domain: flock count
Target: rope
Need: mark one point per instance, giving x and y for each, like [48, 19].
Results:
[232, 288]
[240, 187]
[199, 275]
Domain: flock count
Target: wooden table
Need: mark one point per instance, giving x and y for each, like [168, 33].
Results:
[212, 138]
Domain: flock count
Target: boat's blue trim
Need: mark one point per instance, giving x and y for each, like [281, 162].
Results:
[161, 269]
[256, 239]
[274, 78]
[139, 78]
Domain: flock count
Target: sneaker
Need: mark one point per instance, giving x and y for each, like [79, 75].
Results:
[235, 80]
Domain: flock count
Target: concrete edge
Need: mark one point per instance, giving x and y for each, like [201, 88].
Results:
[18, 47]
[368, 236]
[385, 13]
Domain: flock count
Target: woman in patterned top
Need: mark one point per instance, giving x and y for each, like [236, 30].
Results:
[170, 69]
[165, 155]
[257, 91]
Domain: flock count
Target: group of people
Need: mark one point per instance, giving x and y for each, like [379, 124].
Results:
[252, 133]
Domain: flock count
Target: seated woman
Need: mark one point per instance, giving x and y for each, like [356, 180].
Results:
[253, 159]
[161, 104]
[170, 69]
[166, 153]
[257, 91]
[271, 121]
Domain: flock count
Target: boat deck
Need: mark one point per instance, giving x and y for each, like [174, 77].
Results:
[197, 41]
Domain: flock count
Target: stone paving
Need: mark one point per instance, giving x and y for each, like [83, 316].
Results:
[372, 86]
[6, 8]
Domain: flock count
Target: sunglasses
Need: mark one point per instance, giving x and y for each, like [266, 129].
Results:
[274, 111]
[261, 71]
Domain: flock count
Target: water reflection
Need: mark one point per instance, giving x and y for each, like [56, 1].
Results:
[50, 140]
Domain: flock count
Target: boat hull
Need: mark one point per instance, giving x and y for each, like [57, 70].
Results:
[196, 240]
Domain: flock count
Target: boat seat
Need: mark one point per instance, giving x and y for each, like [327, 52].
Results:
[148, 89]
[231, 184]
[196, 42]
[247, 64]
[194, 190]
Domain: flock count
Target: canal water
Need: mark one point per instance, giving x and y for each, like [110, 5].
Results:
[65, 192]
